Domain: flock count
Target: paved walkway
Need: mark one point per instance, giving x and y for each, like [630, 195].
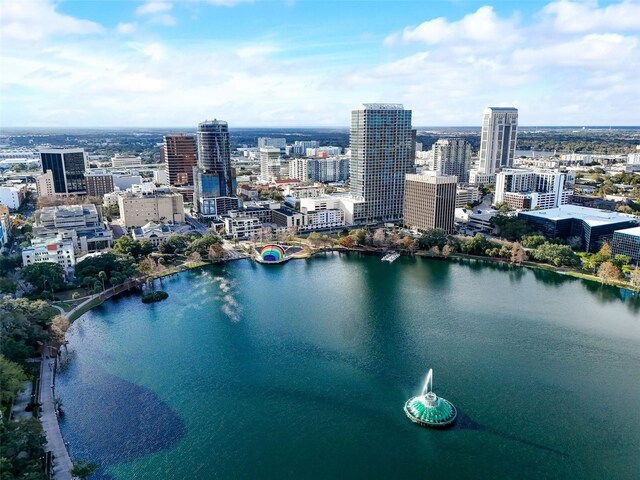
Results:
[55, 443]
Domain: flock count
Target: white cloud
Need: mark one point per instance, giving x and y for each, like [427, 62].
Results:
[153, 7]
[445, 70]
[587, 16]
[157, 12]
[34, 20]
[227, 3]
[126, 28]
[482, 26]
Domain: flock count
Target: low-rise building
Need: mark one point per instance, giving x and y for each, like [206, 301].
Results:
[119, 161]
[242, 226]
[467, 195]
[137, 210]
[591, 225]
[80, 224]
[60, 251]
[155, 233]
[12, 195]
[627, 242]
[527, 189]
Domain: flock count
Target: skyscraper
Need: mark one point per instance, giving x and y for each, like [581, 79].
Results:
[452, 156]
[67, 166]
[179, 155]
[214, 185]
[430, 201]
[269, 164]
[498, 140]
[381, 155]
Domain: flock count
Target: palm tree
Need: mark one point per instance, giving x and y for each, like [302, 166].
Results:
[102, 276]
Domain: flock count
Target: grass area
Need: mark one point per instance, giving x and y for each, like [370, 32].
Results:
[68, 305]
[85, 308]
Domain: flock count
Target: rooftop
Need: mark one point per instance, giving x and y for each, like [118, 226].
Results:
[633, 231]
[591, 216]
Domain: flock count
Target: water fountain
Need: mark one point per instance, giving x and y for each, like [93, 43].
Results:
[429, 410]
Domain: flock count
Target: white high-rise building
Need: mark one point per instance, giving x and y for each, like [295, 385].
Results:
[526, 189]
[269, 164]
[498, 140]
[382, 152]
[452, 156]
[299, 169]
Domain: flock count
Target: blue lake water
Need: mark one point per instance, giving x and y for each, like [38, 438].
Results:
[301, 370]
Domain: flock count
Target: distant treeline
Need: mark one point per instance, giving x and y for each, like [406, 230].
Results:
[145, 142]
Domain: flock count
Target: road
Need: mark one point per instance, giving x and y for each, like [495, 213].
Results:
[200, 227]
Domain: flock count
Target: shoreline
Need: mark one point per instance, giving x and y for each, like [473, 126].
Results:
[97, 299]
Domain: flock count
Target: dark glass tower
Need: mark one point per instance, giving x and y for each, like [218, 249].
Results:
[67, 166]
[213, 177]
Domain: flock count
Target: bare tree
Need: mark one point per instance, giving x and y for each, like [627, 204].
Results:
[635, 279]
[59, 326]
[518, 255]
[608, 272]
[379, 237]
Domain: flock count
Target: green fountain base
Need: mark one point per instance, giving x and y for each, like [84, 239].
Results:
[429, 410]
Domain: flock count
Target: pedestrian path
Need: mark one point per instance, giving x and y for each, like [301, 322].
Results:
[55, 443]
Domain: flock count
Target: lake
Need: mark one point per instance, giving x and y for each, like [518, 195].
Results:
[301, 370]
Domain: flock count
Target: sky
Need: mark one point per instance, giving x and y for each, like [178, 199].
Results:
[274, 63]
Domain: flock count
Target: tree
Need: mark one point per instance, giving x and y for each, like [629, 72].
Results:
[605, 250]
[216, 252]
[635, 280]
[135, 248]
[201, 245]
[518, 255]
[434, 237]
[7, 286]
[12, 378]
[511, 228]
[82, 469]
[59, 326]
[117, 268]
[608, 272]
[314, 239]
[23, 323]
[555, 254]
[620, 260]
[21, 450]
[533, 241]
[447, 250]
[347, 242]
[379, 237]
[194, 257]
[477, 245]
[44, 275]
[175, 243]
[147, 266]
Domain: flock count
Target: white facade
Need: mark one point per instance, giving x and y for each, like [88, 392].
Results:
[478, 178]
[44, 185]
[119, 161]
[125, 181]
[633, 158]
[242, 227]
[58, 251]
[12, 195]
[161, 177]
[299, 169]
[498, 139]
[531, 189]
[269, 164]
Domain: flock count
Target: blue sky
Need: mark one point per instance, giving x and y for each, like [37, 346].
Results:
[308, 63]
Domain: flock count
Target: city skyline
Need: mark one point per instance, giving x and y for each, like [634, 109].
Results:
[72, 63]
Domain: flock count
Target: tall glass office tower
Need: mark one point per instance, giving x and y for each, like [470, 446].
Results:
[213, 177]
[382, 152]
[498, 139]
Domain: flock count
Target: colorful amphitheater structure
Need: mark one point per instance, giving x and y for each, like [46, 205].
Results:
[271, 254]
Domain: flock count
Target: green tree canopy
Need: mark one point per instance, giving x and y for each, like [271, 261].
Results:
[44, 275]
[21, 450]
[116, 267]
[555, 254]
[201, 245]
[136, 248]
[511, 228]
[23, 323]
[175, 243]
[434, 237]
